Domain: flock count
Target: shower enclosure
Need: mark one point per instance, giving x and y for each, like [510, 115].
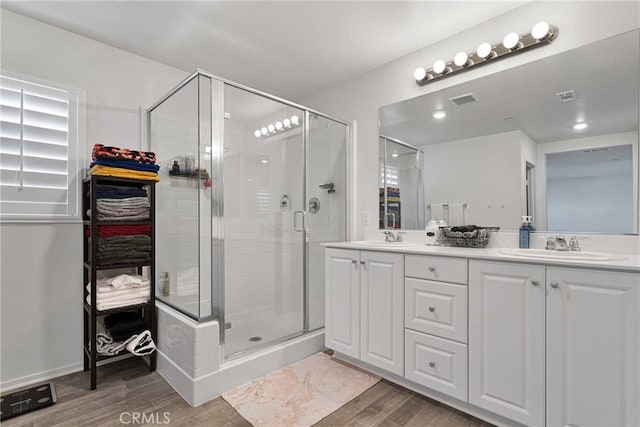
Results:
[251, 186]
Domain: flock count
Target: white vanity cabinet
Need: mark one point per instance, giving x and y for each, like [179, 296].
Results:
[365, 306]
[593, 348]
[507, 339]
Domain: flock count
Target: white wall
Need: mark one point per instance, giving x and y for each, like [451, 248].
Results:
[483, 172]
[580, 23]
[41, 277]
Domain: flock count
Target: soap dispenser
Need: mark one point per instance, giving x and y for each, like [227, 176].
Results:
[525, 232]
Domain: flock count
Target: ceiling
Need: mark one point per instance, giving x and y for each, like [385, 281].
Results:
[604, 76]
[289, 49]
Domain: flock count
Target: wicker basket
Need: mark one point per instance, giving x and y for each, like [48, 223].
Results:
[478, 238]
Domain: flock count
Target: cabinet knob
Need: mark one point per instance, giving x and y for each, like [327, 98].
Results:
[432, 364]
[354, 261]
[535, 283]
[432, 269]
[432, 309]
[555, 285]
[363, 262]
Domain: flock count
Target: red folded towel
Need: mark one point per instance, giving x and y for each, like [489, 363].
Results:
[121, 230]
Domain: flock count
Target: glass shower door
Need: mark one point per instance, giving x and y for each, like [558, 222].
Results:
[263, 174]
[326, 204]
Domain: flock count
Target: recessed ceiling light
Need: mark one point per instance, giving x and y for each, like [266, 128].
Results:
[394, 155]
[439, 115]
[580, 126]
[264, 161]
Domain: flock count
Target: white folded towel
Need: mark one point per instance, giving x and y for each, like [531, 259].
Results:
[118, 302]
[142, 344]
[456, 214]
[108, 291]
[124, 280]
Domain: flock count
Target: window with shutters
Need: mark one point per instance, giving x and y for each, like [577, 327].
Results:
[39, 131]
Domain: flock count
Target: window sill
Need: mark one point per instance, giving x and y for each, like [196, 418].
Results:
[4, 221]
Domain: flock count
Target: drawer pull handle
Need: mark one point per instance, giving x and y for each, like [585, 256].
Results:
[554, 285]
[432, 364]
[432, 309]
[354, 261]
[432, 269]
[535, 282]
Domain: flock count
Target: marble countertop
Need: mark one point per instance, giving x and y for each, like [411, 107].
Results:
[630, 263]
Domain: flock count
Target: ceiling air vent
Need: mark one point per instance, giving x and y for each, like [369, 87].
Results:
[567, 95]
[463, 99]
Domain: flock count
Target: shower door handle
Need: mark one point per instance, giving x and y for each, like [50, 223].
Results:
[297, 227]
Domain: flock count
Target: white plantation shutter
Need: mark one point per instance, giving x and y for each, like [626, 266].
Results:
[38, 150]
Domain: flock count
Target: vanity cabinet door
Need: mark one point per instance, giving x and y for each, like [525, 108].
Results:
[382, 295]
[342, 324]
[507, 340]
[593, 348]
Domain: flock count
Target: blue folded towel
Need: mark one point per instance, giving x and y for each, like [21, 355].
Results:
[113, 192]
[126, 164]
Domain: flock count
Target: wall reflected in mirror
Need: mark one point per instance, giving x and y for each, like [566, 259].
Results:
[556, 139]
[400, 186]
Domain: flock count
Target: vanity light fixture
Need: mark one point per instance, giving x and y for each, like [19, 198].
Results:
[484, 50]
[461, 59]
[580, 126]
[279, 127]
[439, 115]
[541, 34]
[511, 41]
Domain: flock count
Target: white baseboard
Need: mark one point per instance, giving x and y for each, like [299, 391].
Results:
[28, 380]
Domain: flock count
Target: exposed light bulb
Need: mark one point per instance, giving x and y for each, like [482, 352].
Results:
[286, 123]
[439, 115]
[271, 128]
[278, 125]
[511, 41]
[295, 120]
[257, 133]
[541, 30]
[461, 59]
[419, 74]
[264, 130]
[439, 66]
[580, 126]
[484, 50]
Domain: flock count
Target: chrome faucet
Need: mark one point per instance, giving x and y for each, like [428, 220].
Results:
[390, 237]
[560, 244]
[574, 245]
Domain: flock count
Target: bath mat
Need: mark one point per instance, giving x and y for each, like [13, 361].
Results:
[301, 394]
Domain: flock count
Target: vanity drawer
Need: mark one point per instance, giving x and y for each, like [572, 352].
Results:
[436, 308]
[436, 363]
[441, 269]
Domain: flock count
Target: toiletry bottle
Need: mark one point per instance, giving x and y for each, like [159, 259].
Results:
[525, 232]
[165, 283]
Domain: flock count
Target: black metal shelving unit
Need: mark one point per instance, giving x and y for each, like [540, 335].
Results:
[91, 268]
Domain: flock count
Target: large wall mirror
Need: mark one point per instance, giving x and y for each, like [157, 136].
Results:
[556, 139]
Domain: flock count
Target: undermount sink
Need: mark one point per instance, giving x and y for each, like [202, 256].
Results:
[383, 244]
[562, 255]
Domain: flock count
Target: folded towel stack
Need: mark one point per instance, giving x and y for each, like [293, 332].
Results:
[112, 251]
[124, 163]
[121, 230]
[121, 291]
[393, 194]
[124, 330]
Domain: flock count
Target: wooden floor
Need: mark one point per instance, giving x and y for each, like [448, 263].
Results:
[128, 386]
